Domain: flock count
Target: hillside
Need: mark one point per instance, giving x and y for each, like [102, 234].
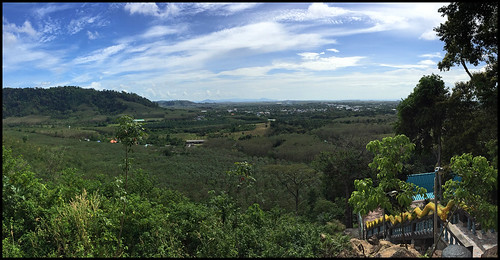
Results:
[177, 103]
[63, 101]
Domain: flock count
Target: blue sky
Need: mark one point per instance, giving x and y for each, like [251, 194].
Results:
[198, 51]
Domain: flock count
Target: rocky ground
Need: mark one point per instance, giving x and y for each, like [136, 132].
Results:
[374, 247]
[379, 248]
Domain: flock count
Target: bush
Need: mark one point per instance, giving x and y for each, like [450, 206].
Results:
[332, 245]
[334, 226]
[23, 202]
[325, 211]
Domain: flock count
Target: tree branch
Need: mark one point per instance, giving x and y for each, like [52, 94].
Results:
[465, 67]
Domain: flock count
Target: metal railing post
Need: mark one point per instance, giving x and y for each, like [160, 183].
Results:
[413, 227]
[446, 235]
[474, 228]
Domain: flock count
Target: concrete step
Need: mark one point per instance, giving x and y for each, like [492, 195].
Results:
[480, 242]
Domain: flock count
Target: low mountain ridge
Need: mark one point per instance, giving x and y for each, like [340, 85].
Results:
[61, 101]
[176, 103]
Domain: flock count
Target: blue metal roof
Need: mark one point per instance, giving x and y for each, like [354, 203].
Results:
[430, 195]
[426, 180]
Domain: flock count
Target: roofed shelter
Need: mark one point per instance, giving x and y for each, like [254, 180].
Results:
[425, 180]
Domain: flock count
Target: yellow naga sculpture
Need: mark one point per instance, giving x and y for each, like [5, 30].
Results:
[415, 213]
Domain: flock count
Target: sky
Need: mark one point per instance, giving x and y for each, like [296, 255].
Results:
[247, 50]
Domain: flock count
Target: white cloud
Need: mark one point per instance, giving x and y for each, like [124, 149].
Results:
[25, 29]
[321, 10]
[82, 78]
[143, 8]
[8, 39]
[92, 35]
[161, 30]
[429, 63]
[100, 55]
[94, 85]
[193, 54]
[49, 30]
[316, 63]
[151, 9]
[334, 50]
[431, 55]
[316, 11]
[247, 72]
[238, 7]
[429, 35]
[405, 66]
[18, 52]
[28, 29]
[43, 11]
[309, 55]
[76, 25]
[310, 62]
[217, 8]
[423, 64]
[175, 9]
[260, 37]
[417, 18]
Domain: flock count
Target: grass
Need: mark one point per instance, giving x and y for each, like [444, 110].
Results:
[27, 120]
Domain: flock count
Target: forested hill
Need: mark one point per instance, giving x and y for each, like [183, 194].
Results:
[177, 103]
[65, 100]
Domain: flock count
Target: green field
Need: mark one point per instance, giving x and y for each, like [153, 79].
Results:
[51, 145]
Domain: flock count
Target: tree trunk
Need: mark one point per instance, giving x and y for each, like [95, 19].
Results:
[124, 203]
[297, 202]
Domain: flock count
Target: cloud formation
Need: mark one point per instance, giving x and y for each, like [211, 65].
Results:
[176, 9]
[196, 50]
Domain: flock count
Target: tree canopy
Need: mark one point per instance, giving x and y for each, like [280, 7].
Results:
[391, 193]
[469, 34]
[421, 115]
[465, 121]
[479, 202]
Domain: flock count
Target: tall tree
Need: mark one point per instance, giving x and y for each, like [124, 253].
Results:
[340, 168]
[295, 178]
[129, 133]
[422, 114]
[470, 36]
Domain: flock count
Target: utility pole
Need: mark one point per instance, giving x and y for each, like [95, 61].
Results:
[435, 209]
[436, 228]
[436, 176]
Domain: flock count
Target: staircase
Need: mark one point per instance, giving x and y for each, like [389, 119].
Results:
[481, 241]
[461, 230]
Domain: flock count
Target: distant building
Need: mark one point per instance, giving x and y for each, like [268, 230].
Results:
[139, 120]
[190, 143]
